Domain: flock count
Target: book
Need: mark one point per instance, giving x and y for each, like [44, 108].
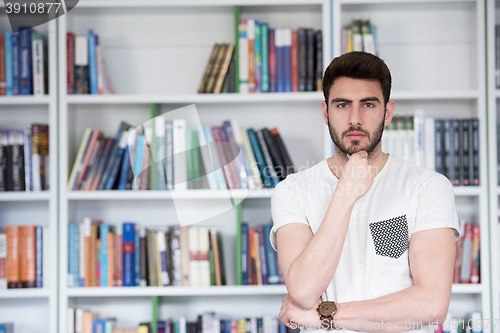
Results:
[9, 70]
[27, 250]
[179, 153]
[108, 175]
[79, 157]
[104, 231]
[162, 249]
[38, 72]
[3, 259]
[92, 62]
[25, 62]
[128, 244]
[15, 175]
[243, 58]
[82, 85]
[13, 257]
[208, 69]
[223, 69]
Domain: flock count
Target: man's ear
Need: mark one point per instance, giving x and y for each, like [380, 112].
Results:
[324, 106]
[389, 112]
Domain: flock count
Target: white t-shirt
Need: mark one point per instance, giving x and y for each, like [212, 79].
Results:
[404, 198]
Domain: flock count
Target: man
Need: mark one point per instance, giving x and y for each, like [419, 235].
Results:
[369, 231]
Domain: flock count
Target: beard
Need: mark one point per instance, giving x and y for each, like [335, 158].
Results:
[355, 147]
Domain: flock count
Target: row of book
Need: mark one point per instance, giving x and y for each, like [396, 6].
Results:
[128, 255]
[86, 71]
[83, 321]
[467, 261]
[24, 159]
[448, 146]
[214, 157]
[23, 256]
[259, 260]
[23, 63]
[360, 35]
[278, 60]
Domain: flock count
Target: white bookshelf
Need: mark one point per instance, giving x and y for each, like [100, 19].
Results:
[20, 208]
[160, 58]
[435, 51]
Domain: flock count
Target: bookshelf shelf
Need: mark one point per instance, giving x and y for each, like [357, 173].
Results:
[24, 293]
[178, 291]
[189, 3]
[22, 100]
[467, 190]
[466, 288]
[214, 291]
[24, 196]
[256, 98]
[166, 195]
[201, 194]
[196, 98]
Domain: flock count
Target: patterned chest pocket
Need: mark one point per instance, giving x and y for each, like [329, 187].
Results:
[390, 237]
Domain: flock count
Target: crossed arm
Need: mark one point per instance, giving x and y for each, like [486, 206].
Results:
[308, 270]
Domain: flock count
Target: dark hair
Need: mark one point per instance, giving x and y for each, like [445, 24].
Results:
[358, 65]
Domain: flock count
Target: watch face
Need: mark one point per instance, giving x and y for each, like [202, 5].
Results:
[327, 308]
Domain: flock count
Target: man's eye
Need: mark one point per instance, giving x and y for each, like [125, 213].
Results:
[342, 105]
[369, 105]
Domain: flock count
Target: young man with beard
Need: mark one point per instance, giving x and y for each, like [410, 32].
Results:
[365, 240]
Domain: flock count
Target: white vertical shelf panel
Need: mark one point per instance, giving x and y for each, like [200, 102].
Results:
[492, 13]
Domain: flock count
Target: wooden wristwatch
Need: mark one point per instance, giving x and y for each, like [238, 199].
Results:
[326, 311]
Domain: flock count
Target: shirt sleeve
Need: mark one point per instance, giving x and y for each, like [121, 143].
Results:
[436, 205]
[286, 207]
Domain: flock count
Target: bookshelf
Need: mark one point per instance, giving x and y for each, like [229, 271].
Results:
[41, 208]
[492, 19]
[440, 36]
[160, 58]
[156, 51]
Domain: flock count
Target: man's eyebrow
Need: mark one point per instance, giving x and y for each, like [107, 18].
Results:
[370, 99]
[341, 99]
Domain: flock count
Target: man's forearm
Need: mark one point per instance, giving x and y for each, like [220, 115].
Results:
[311, 272]
[413, 306]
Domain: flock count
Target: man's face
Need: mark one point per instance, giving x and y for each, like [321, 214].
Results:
[356, 114]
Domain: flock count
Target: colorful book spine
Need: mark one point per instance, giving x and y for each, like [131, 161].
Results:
[137, 255]
[244, 253]
[258, 56]
[3, 259]
[73, 255]
[9, 74]
[39, 257]
[251, 54]
[13, 256]
[104, 236]
[38, 64]
[295, 61]
[287, 59]
[27, 245]
[272, 272]
[15, 65]
[92, 62]
[128, 254]
[262, 254]
[243, 56]
[264, 29]
[70, 62]
[25, 62]
[272, 60]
